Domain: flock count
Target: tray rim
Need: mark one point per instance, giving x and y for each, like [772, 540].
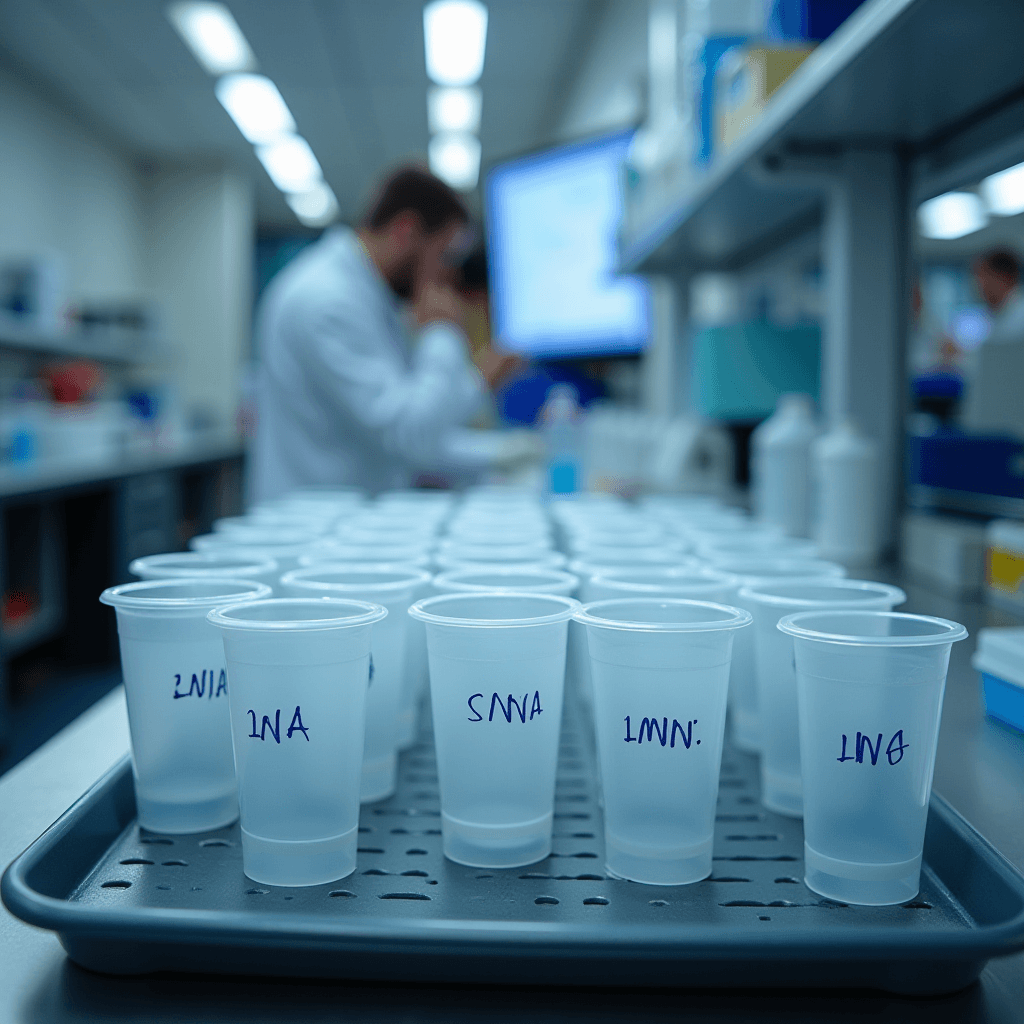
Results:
[483, 937]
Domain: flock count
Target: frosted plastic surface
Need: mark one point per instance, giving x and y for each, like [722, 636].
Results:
[869, 722]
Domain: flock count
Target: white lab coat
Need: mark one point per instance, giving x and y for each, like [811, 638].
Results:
[342, 394]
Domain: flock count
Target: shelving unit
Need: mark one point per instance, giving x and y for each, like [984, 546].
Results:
[907, 99]
[104, 346]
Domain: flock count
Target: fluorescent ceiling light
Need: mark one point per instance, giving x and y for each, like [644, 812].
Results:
[291, 164]
[315, 208]
[213, 36]
[256, 106]
[455, 159]
[455, 35]
[952, 215]
[453, 110]
[1004, 191]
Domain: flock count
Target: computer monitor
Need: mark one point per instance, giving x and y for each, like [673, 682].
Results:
[552, 220]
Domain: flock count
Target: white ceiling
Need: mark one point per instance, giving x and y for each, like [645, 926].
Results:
[352, 72]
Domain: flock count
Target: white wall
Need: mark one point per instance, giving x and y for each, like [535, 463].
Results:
[62, 189]
[200, 246]
[610, 88]
[183, 237]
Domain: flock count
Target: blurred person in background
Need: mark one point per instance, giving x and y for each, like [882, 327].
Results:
[997, 277]
[345, 394]
[994, 371]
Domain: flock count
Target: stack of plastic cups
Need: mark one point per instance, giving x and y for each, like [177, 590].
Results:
[869, 688]
[750, 570]
[661, 674]
[781, 786]
[299, 672]
[211, 565]
[176, 686]
[497, 669]
[393, 588]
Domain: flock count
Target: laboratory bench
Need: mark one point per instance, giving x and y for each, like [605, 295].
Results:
[69, 529]
[980, 770]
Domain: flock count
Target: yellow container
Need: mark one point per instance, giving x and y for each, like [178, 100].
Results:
[1004, 563]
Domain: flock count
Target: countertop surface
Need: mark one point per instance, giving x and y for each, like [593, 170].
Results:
[980, 770]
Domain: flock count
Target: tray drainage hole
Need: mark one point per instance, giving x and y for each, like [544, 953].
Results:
[156, 841]
[485, 876]
[404, 896]
[415, 874]
[365, 828]
[369, 849]
[136, 860]
[433, 881]
[596, 901]
[658, 903]
[166, 888]
[375, 871]
[174, 864]
[761, 917]
[912, 905]
[787, 880]
[117, 883]
[583, 835]
[415, 852]
[216, 842]
[257, 892]
[545, 901]
[344, 893]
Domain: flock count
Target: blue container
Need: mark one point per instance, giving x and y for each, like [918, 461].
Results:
[1000, 661]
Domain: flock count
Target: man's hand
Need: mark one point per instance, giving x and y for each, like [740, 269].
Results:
[436, 302]
[497, 367]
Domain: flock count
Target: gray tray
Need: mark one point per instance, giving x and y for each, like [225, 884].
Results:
[124, 901]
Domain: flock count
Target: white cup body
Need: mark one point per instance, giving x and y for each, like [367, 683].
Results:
[659, 713]
[298, 713]
[496, 696]
[387, 689]
[176, 687]
[781, 781]
[869, 722]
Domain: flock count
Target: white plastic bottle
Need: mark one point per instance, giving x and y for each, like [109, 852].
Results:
[781, 466]
[563, 439]
[845, 478]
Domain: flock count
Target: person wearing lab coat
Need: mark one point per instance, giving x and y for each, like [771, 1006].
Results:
[344, 393]
[995, 370]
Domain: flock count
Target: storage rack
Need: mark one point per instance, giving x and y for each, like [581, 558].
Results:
[908, 99]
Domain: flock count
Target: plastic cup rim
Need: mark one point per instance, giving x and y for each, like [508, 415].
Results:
[146, 562]
[129, 596]
[750, 592]
[411, 577]
[546, 577]
[221, 616]
[665, 589]
[951, 631]
[421, 610]
[735, 618]
[752, 578]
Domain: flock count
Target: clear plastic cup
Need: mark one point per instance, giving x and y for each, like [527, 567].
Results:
[497, 670]
[870, 687]
[744, 715]
[176, 685]
[775, 676]
[660, 671]
[691, 583]
[254, 536]
[337, 552]
[205, 565]
[299, 672]
[273, 523]
[458, 559]
[532, 581]
[286, 554]
[393, 588]
[765, 545]
[494, 553]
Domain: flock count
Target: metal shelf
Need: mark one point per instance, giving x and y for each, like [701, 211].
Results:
[909, 76]
[100, 345]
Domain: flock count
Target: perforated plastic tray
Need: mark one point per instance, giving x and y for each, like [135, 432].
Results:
[123, 901]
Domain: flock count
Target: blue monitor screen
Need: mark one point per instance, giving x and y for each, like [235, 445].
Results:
[552, 220]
